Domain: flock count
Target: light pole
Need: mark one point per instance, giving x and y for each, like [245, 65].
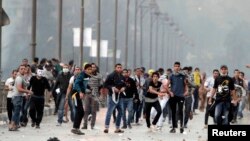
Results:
[142, 14]
[126, 40]
[115, 32]
[60, 4]
[135, 32]
[150, 40]
[163, 43]
[156, 39]
[98, 31]
[81, 32]
[33, 29]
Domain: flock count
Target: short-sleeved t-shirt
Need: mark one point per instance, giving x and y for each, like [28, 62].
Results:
[224, 85]
[72, 79]
[156, 87]
[10, 83]
[18, 81]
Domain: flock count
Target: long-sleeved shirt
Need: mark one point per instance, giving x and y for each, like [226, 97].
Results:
[114, 80]
[62, 82]
[81, 82]
[130, 90]
[39, 85]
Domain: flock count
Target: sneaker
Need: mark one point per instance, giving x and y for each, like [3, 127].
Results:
[59, 124]
[89, 117]
[181, 130]
[124, 127]
[33, 124]
[84, 127]
[129, 126]
[77, 131]
[164, 119]
[233, 121]
[153, 128]
[37, 127]
[119, 131]
[172, 130]
[23, 124]
[106, 130]
[159, 128]
[205, 126]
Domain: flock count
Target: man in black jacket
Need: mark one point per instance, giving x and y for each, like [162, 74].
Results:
[127, 99]
[116, 86]
[61, 85]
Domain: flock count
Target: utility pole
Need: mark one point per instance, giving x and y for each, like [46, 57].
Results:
[81, 32]
[135, 34]
[150, 40]
[98, 32]
[156, 40]
[115, 32]
[126, 40]
[33, 29]
[60, 4]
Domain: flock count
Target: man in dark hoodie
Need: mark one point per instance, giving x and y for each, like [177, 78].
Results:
[80, 87]
[127, 98]
[116, 86]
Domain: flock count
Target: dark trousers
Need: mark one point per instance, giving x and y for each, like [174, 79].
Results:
[196, 98]
[188, 108]
[173, 101]
[79, 112]
[148, 107]
[9, 108]
[137, 110]
[207, 111]
[36, 109]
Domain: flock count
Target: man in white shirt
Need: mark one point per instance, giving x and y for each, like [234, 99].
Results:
[9, 86]
[209, 83]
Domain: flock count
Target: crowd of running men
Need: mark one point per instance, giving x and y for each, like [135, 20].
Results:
[174, 95]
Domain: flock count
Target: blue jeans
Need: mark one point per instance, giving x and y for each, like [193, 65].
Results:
[61, 103]
[137, 110]
[72, 108]
[25, 107]
[221, 113]
[111, 107]
[242, 105]
[127, 104]
[17, 103]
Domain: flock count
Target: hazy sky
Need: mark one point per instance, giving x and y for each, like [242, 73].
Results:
[219, 30]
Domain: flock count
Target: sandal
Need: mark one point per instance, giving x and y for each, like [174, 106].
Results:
[13, 129]
[106, 130]
[119, 131]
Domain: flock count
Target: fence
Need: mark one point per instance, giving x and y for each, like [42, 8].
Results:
[3, 101]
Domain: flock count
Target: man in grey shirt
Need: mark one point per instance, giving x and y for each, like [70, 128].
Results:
[17, 99]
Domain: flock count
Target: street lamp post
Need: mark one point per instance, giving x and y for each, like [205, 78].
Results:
[162, 43]
[33, 29]
[115, 32]
[126, 40]
[81, 32]
[151, 40]
[156, 39]
[98, 31]
[60, 3]
[135, 33]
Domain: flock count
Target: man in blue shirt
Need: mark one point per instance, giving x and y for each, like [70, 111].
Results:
[178, 91]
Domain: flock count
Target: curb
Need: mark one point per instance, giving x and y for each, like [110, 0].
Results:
[48, 111]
